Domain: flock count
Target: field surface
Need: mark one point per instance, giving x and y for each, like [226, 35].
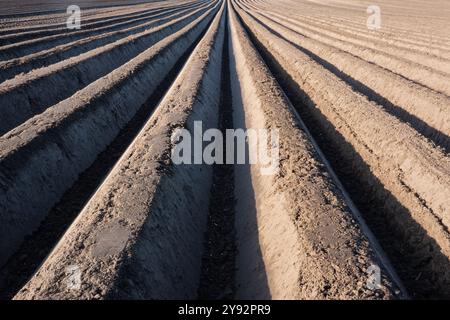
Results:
[92, 205]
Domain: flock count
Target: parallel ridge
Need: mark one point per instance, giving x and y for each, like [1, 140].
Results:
[41, 41]
[54, 147]
[161, 224]
[96, 19]
[21, 97]
[362, 178]
[141, 233]
[423, 108]
[11, 68]
[34, 17]
[298, 247]
[386, 134]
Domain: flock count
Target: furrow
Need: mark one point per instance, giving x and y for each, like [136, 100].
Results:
[146, 215]
[92, 25]
[424, 75]
[34, 45]
[403, 177]
[386, 37]
[9, 69]
[22, 98]
[53, 148]
[35, 21]
[420, 54]
[299, 240]
[425, 110]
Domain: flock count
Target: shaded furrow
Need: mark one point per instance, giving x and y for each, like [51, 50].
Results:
[298, 237]
[400, 180]
[30, 11]
[22, 98]
[36, 247]
[53, 148]
[424, 57]
[361, 31]
[36, 21]
[217, 277]
[424, 109]
[435, 79]
[97, 24]
[17, 50]
[10, 68]
[225, 149]
[151, 247]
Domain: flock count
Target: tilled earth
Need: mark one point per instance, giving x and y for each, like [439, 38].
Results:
[93, 207]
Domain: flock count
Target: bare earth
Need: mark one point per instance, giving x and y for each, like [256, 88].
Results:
[86, 177]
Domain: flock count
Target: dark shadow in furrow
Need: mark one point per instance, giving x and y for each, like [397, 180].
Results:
[90, 26]
[439, 138]
[217, 278]
[251, 274]
[55, 11]
[22, 49]
[10, 71]
[35, 248]
[424, 270]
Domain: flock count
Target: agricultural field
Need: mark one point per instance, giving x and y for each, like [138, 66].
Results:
[225, 149]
